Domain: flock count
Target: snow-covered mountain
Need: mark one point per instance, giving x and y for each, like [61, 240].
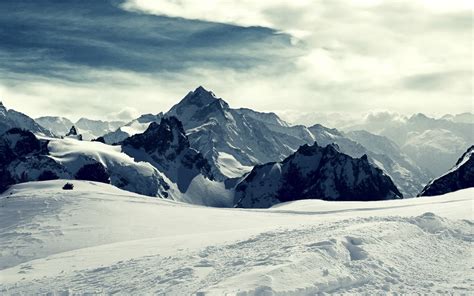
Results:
[24, 158]
[381, 152]
[387, 155]
[92, 129]
[231, 140]
[314, 172]
[434, 144]
[166, 147]
[134, 127]
[11, 119]
[124, 172]
[88, 128]
[234, 140]
[436, 149]
[58, 125]
[459, 177]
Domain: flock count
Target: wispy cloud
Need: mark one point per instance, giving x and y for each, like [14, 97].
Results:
[344, 56]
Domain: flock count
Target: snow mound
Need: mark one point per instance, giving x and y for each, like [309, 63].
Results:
[97, 239]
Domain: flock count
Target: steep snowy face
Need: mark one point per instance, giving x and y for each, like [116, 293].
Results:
[266, 117]
[136, 126]
[314, 172]
[88, 160]
[193, 101]
[58, 125]
[459, 177]
[12, 119]
[227, 136]
[166, 146]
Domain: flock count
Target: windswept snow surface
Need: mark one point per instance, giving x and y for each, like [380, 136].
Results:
[100, 239]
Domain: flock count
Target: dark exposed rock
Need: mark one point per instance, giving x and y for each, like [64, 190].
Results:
[459, 177]
[74, 134]
[93, 172]
[315, 172]
[167, 148]
[47, 175]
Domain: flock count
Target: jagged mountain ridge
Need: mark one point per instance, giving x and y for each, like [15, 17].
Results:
[314, 172]
[459, 177]
[168, 149]
[251, 138]
[89, 128]
[59, 126]
[24, 157]
[218, 131]
[386, 154]
[433, 143]
[12, 119]
[234, 140]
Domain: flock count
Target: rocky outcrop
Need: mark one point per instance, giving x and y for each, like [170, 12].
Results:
[315, 172]
[166, 146]
[459, 177]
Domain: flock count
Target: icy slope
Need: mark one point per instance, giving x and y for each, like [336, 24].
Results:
[99, 239]
[124, 172]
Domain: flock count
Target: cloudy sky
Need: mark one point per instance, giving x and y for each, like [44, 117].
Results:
[119, 58]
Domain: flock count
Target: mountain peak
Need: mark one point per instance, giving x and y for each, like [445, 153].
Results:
[201, 96]
[192, 102]
[418, 116]
[2, 107]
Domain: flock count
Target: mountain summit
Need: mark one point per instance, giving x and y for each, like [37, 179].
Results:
[232, 140]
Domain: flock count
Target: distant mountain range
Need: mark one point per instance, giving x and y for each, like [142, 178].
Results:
[205, 152]
[88, 128]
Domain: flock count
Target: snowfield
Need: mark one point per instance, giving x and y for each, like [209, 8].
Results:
[99, 239]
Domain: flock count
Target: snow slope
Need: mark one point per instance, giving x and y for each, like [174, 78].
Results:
[100, 239]
[124, 172]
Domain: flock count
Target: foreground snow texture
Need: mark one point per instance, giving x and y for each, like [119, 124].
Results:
[100, 239]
